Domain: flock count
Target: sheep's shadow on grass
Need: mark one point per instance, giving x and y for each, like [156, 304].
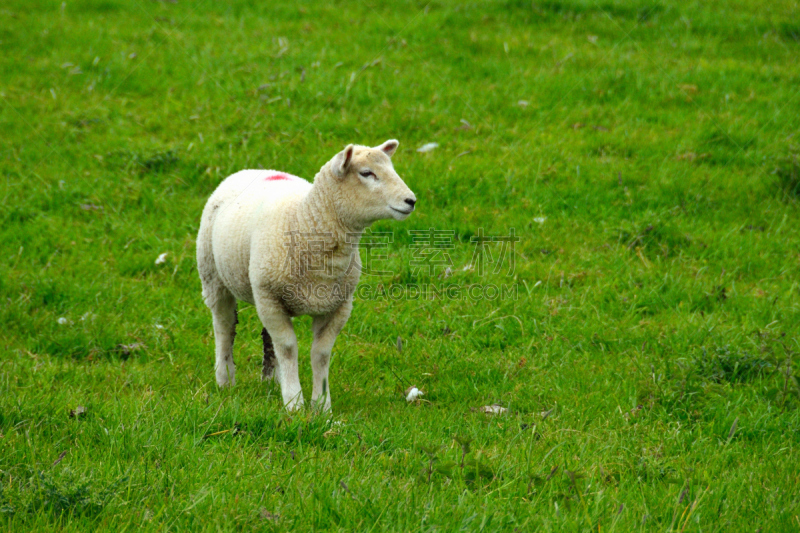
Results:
[306, 428]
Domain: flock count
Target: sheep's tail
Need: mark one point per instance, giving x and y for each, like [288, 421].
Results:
[206, 266]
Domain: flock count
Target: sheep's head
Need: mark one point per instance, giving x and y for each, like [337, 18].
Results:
[368, 187]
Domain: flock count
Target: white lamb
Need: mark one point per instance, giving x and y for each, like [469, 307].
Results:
[291, 248]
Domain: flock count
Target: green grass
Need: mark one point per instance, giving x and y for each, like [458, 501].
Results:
[649, 363]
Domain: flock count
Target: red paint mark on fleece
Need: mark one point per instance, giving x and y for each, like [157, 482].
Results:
[277, 177]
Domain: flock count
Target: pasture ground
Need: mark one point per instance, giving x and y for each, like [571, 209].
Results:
[644, 153]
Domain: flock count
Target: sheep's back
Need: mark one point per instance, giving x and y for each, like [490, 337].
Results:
[249, 205]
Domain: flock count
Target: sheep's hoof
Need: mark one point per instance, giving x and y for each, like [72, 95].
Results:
[321, 406]
[294, 405]
[225, 374]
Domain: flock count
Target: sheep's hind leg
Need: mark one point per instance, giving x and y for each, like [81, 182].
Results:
[280, 329]
[325, 328]
[224, 314]
[269, 362]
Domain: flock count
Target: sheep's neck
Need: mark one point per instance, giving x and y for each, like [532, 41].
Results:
[317, 215]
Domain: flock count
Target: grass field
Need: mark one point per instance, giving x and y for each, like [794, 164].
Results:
[644, 153]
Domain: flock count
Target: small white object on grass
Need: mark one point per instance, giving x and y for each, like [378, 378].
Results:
[161, 258]
[539, 220]
[523, 103]
[493, 409]
[413, 394]
[427, 147]
[63, 321]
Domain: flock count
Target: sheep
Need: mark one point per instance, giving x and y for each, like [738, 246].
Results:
[290, 248]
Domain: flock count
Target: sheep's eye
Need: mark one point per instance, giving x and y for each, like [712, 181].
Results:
[368, 173]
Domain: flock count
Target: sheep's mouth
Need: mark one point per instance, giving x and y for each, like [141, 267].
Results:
[401, 211]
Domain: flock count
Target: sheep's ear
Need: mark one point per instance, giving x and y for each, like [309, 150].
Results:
[343, 159]
[389, 147]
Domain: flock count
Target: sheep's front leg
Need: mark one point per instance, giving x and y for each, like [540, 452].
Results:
[325, 328]
[284, 342]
